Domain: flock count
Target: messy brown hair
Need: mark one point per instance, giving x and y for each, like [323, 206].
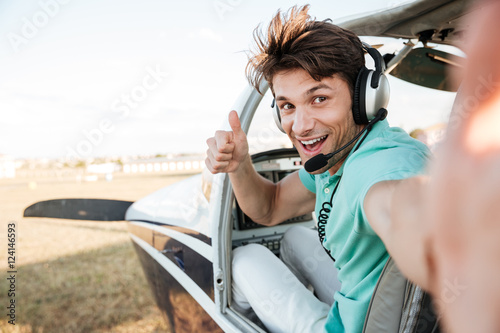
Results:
[295, 40]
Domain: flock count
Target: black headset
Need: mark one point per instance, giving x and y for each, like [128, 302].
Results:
[371, 91]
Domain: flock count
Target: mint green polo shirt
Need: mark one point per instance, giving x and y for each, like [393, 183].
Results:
[387, 153]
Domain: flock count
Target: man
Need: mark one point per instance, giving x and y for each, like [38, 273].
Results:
[312, 68]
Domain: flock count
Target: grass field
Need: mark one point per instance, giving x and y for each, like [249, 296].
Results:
[75, 276]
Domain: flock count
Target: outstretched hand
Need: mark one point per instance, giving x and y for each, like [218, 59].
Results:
[227, 149]
[461, 220]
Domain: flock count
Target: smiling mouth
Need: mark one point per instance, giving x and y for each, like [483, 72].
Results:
[314, 144]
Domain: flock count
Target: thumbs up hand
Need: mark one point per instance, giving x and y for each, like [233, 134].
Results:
[227, 149]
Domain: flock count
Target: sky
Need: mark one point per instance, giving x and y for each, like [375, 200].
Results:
[89, 78]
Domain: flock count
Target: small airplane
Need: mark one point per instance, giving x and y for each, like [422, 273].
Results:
[184, 234]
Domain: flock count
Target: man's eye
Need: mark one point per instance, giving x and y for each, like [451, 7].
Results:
[287, 106]
[319, 99]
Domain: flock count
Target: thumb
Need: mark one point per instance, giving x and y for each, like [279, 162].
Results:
[234, 122]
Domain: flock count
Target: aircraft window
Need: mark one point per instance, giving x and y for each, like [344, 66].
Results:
[263, 134]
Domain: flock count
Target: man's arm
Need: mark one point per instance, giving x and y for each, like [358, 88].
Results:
[456, 216]
[262, 200]
[394, 211]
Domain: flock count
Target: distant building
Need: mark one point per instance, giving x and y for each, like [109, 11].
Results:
[7, 167]
[104, 168]
[177, 165]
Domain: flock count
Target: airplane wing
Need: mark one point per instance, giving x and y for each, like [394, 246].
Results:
[436, 21]
[80, 209]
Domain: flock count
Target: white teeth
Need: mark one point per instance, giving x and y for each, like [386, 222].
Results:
[310, 142]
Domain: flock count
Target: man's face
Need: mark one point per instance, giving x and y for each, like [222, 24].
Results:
[316, 115]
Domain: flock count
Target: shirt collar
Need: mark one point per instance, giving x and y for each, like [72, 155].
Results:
[375, 131]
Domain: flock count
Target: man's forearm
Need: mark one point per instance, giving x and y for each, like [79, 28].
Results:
[255, 194]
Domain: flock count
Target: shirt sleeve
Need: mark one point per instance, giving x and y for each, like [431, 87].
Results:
[404, 164]
[308, 180]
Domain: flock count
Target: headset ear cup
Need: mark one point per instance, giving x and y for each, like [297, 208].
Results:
[358, 102]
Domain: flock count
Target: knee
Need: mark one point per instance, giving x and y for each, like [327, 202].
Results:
[293, 233]
[246, 257]
[290, 238]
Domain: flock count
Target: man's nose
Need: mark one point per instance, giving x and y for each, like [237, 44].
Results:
[303, 122]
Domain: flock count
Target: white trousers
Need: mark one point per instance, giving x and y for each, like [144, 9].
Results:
[277, 291]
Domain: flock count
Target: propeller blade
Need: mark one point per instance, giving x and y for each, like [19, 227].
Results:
[80, 209]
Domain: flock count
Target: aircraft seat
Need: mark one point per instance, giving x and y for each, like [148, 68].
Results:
[397, 305]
